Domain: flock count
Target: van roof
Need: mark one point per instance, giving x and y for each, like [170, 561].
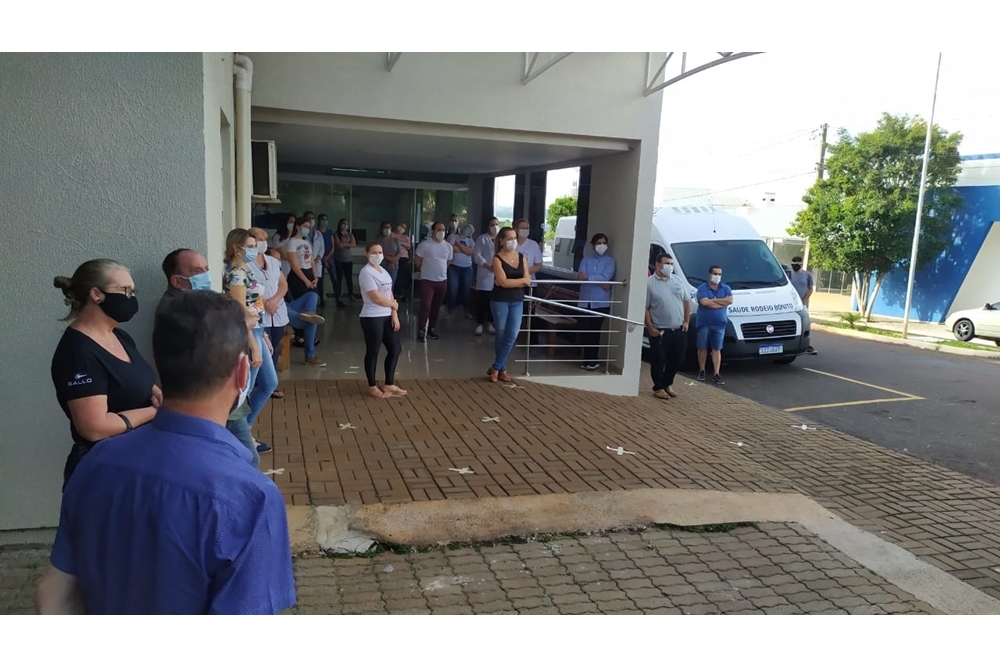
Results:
[677, 224]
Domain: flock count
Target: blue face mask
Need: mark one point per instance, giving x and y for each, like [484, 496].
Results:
[250, 254]
[305, 232]
[201, 281]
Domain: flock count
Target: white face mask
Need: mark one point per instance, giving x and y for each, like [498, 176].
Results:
[523, 233]
[400, 230]
[386, 232]
[261, 247]
[715, 280]
[601, 248]
[244, 392]
[494, 229]
[666, 270]
[439, 236]
[290, 226]
[511, 244]
[375, 259]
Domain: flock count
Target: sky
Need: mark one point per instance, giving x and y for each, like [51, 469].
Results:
[751, 126]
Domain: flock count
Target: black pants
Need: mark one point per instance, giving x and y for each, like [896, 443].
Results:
[345, 278]
[484, 313]
[404, 278]
[667, 354]
[589, 338]
[378, 332]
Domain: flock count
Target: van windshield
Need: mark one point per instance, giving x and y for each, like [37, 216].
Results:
[746, 263]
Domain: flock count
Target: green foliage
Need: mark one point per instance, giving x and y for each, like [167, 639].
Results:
[860, 219]
[560, 208]
[851, 319]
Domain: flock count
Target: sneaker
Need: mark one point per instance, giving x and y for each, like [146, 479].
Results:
[263, 447]
[662, 394]
[312, 318]
[479, 330]
[701, 376]
[420, 337]
[810, 350]
[491, 329]
[315, 361]
[590, 367]
[717, 379]
[432, 334]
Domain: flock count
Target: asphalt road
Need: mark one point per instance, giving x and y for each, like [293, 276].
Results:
[956, 424]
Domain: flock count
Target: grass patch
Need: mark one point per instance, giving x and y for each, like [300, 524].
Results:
[864, 328]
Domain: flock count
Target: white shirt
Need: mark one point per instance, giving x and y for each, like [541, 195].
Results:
[303, 251]
[372, 279]
[319, 249]
[485, 249]
[277, 244]
[434, 256]
[461, 259]
[532, 255]
[270, 278]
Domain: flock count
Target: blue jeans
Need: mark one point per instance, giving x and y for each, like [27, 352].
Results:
[459, 284]
[507, 320]
[393, 273]
[264, 380]
[304, 304]
[241, 429]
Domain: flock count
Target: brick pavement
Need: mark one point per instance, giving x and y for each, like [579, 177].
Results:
[768, 569]
[553, 440]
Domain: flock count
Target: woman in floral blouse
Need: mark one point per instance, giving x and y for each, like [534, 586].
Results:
[240, 283]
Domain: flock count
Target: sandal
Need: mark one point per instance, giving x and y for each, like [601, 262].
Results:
[503, 377]
[278, 394]
[492, 373]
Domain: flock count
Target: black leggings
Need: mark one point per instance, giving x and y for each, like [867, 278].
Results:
[345, 277]
[378, 331]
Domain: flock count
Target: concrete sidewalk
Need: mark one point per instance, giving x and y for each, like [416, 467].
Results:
[925, 533]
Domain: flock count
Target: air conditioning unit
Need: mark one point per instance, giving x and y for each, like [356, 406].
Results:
[264, 156]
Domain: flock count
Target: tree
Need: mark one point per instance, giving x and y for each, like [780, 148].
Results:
[560, 208]
[861, 218]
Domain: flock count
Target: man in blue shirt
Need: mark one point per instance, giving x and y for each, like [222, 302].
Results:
[594, 296]
[174, 519]
[714, 297]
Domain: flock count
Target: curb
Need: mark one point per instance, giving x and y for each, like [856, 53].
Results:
[934, 347]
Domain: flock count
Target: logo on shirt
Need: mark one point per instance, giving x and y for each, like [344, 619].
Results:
[80, 379]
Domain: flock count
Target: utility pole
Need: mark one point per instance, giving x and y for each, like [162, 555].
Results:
[822, 152]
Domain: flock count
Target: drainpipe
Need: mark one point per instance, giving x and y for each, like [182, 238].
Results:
[243, 81]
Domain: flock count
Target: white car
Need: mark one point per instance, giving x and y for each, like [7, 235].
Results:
[976, 323]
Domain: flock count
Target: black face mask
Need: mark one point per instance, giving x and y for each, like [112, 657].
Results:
[796, 267]
[119, 307]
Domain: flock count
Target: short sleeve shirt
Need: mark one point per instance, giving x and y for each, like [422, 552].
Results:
[435, 256]
[81, 368]
[665, 301]
[802, 281]
[461, 259]
[712, 317]
[533, 253]
[371, 279]
[303, 251]
[199, 529]
[237, 276]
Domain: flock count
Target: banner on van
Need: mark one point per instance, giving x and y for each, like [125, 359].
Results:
[761, 309]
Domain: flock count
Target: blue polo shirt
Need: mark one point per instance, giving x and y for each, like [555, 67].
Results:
[172, 518]
[596, 267]
[712, 317]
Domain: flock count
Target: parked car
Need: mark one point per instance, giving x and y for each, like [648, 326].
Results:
[976, 323]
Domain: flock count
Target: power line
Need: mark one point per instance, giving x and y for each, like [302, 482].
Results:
[742, 187]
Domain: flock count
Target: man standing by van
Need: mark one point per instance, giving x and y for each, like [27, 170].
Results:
[714, 297]
[668, 309]
[802, 281]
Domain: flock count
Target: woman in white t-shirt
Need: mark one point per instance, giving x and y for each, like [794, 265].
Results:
[276, 246]
[379, 322]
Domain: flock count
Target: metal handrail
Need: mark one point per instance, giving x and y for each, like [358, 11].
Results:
[584, 311]
[580, 282]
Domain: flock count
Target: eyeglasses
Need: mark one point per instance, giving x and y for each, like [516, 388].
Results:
[127, 291]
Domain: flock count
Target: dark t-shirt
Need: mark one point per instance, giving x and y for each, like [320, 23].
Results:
[82, 368]
[509, 294]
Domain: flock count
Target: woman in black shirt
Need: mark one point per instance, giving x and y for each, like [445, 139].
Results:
[507, 299]
[102, 383]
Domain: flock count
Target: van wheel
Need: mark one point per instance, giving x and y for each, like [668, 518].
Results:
[784, 361]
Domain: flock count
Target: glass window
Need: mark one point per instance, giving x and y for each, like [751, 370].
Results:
[746, 263]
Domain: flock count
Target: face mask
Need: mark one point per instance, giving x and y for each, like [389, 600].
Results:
[386, 232]
[400, 230]
[667, 270]
[511, 244]
[601, 248]
[290, 226]
[796, 267]
[375, 259]
[523, 233]
[244, 392]
[261, 246]
[250, 254]
[494, 229]
[439, 236]
[343, 228]
[305, 232]
[119, 307]
[715, 280]
[201, 281]
[467, 233]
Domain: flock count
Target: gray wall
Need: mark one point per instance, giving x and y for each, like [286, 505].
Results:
[103, 155]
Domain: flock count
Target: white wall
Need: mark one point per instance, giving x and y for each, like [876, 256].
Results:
[590, 94]
[103, 156]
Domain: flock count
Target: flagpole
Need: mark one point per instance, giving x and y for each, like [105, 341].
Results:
[920, 204]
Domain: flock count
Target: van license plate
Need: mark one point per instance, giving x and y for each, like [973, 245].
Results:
[772, 349]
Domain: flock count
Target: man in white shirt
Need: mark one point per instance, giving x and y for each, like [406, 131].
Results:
[533, 258]
[432, 258]
[483, 258]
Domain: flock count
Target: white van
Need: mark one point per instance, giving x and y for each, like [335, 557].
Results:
[767, 319]
[562, 252]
